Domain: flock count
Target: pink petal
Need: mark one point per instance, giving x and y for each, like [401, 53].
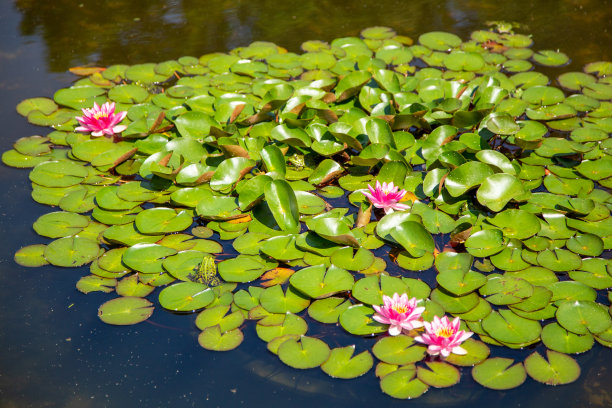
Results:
[119, 128]
[395, 330]
[459, 350]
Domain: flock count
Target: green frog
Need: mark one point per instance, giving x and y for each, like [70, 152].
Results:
[206, 273]
[504, 27]
[298, 161]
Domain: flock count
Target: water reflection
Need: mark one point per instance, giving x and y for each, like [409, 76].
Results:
[120, 31]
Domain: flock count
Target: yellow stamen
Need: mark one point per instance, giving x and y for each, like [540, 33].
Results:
[445, 332]
[99, 115]
[400, 308]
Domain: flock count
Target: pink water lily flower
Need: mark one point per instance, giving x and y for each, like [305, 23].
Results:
[400, 313]
[101, 120]
[444, 337]
[386, 196]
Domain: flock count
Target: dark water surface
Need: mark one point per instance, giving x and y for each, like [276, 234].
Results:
[54, 352]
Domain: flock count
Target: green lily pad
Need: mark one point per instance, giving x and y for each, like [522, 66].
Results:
[505, 290]
[71, 251]
[582, 317]
[124, 311]
[131, 286]
[358, 320]
[507, 327]
[31, 256]
[414, 238]
[439, 40]
[399, 350]
[58, 174]
[550, 58]
[60, 224]
[216, 315]
[558, 339]
[328, 310]
[277, 325]
[240, 269]
[498, 189]
[402, 384]
[93, 283]
[342, 364]
[499, 373]
[477, 352]
[212, 338]
[439, 374]
[147, 258]
[559, 260]
[559, 369]
[352, 260]
[186, 296]
[466, 177]
[309, 352]
[319, 282]
[275, 301]
[485, 243]
[163, 220]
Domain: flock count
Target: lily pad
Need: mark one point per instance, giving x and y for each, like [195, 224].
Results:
[499, 373]
[124, 311]
[559, 369]
[309, 352]
[186, 296]
[212, 338]
[342, 364]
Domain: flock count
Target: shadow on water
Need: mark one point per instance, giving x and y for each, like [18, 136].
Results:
[55, 351]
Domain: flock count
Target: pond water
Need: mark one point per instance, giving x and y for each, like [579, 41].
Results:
[55, 350]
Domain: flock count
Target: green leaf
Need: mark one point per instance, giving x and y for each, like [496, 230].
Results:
[125, 311]
[559, 369]
[498, 374]
[309, 352]
[283, 204]
[212, 338]
[342, 364]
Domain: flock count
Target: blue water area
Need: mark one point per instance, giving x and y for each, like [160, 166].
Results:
[55, 352]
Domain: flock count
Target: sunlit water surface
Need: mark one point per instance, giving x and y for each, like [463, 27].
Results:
[54, 350]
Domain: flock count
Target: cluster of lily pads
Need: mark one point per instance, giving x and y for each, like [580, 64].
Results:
[505, 224]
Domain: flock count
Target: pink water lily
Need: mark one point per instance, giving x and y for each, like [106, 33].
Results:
[400, 313]
[101, 120]
[444, 337]
[386, 196]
